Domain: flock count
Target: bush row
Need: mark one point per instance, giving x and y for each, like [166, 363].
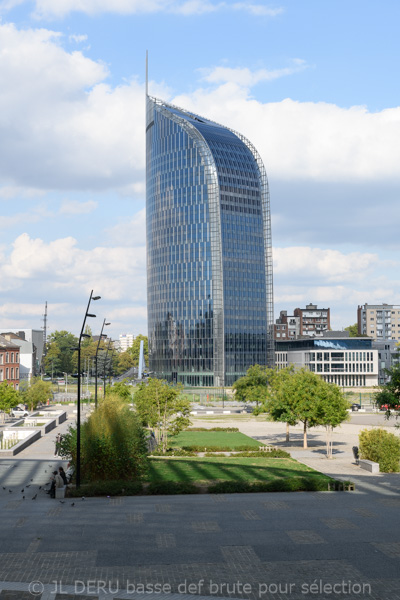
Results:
[305, 483]
[210, 448]
[274, 453]
[227, 429]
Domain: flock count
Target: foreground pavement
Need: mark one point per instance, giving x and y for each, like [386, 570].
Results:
[301, 545]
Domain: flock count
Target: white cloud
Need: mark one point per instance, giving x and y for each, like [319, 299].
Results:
[328, 265]
[247, 78]
[78, 39]
[307, 140]
[258, 10]
[73, 207]
[62, 126]
[61, 8]
[131, 232]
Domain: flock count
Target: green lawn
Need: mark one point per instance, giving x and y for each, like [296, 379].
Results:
[212, 439]
[234, 468]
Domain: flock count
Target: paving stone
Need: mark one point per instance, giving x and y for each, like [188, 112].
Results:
[275, 505]
[135, 518]
[305, 536]
[339, 524]
[162, 508]
[250, 515]
[18, 595]
[165, 540]
[240, 555]
[205, 526]
[364, 512]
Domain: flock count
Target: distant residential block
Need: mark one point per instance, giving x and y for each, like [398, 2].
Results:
[379, 321]
[310, 321]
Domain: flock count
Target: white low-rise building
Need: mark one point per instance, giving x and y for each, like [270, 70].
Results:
[347, 361]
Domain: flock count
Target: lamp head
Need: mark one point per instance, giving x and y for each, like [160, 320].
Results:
[96, 297]
[90, 315]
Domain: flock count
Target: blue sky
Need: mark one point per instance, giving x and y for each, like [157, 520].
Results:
[313, 84]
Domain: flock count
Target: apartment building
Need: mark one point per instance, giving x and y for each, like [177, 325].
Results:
[286, 327]
[379, 321]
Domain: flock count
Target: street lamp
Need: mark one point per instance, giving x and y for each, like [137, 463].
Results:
[104, 372]
[97, 351]
[78, 422]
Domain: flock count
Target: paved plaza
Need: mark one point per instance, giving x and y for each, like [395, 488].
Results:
[280, 545]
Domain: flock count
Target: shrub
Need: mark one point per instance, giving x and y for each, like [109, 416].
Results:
[291, 484]
[113, 444]
[227, 429]
[108, 488]
[173, 452]
[382, 447]
[197, 448]
[159, 488]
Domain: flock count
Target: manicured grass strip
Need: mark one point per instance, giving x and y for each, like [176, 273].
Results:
[212, 439]
[218, 469]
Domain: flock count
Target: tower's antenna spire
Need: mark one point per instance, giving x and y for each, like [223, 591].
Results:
[147, 73]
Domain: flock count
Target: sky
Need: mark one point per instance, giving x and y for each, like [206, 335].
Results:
[313, 84]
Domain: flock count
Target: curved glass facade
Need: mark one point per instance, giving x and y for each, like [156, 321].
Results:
[208, 250]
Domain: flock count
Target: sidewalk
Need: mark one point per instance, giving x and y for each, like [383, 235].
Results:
[259, 546]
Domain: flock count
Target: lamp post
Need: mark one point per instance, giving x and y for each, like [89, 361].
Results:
[95, 361]
[104, 372]
[78, 421]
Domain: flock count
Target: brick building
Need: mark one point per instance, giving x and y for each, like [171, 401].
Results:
[9, 362]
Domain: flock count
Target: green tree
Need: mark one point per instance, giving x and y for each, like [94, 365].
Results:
[9, 397]
[65, 344]
[302, 396]
[278, 401]
[125, 362]
[162, 407]
[253, 387]
[121, 389]
[135, 349]
[37, 393]
[331, 410]
[353, 330]
[389, 394]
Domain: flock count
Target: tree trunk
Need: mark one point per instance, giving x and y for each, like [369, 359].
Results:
[305, 435]
[287, 432]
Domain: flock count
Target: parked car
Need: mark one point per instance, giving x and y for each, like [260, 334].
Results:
[355, 407]
[19, 412]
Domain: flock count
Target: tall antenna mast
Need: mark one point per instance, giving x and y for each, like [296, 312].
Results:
[147, 73]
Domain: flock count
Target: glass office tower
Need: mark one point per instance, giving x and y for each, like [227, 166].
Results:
[209, 261]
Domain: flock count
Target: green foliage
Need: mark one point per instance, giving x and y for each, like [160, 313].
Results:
[8, 397]
[135, 349]
[161, 407]
[220, 440]
[108, 488]
[382, 447]
[60, 349]
[389, 394]
[162, 488]
[37, 393]
[253, 386]
[219, 448]
[300, 395]
[173, 452]
[353, 330]
[227, 429]
[121, 389]
[113, 443]
[306, 483]
[125, 361]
